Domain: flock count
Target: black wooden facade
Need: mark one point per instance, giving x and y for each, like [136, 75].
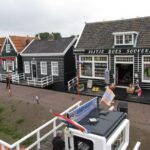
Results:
[98, 40]
[60, 51]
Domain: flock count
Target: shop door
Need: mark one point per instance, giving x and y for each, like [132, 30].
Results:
[34, 70]
[124, 70]
[124, 74]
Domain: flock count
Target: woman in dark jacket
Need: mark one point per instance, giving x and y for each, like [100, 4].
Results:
[58, 142]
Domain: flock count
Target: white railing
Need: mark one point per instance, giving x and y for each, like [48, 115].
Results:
[42, 82]
[72, 83]
[16, 78]
[2, 77]
[37, 132]
[137, 145]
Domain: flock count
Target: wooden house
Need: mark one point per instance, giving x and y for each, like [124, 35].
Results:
[11, 60]
[115, 52]
[48, 62]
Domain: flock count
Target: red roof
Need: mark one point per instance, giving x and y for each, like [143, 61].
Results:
[2, 39]
[20, 42]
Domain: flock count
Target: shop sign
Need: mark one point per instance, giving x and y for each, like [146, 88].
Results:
[118, 51]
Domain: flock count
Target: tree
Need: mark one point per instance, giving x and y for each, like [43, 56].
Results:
[45, 36]
[56, 35]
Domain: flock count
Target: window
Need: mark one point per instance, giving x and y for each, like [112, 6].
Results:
[10, 65]
[54, 68]
[146, 68]
[119, 141]
[26, 67]
[82, 143]
[119, 39]
[7, 48]
[4, 64]
[44, 67]
[93, 66]
[128, 39]
[125, 38]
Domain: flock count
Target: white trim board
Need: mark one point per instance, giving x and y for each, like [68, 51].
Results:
[26, 47]
[3, 45]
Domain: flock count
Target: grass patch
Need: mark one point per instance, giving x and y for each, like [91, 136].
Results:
[13, 109]
[10, 131]
[1, 109]
[19, 121]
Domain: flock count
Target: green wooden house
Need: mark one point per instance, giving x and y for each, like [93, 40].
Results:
[10, 58]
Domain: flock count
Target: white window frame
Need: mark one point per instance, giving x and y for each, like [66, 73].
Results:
[143, 63]
[7, 48]
[26, 67]
[43, 68]
[124, 34]
[54, 68]
[4, 64]
[93, 65]
[8, 63]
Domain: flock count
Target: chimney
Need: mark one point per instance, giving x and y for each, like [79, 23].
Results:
[27, 40]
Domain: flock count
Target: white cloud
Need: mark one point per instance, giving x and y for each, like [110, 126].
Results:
[64, 16]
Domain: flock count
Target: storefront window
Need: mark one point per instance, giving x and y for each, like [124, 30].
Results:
[93, 66]
[86, 69]
[146, 68]
[100, 69]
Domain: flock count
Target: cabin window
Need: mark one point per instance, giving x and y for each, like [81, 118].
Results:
[146, 69]
[7, 48]
[119, 141]
[93, 66]
[44, 68]
[82, 143]
[54, 68]
[26, 67]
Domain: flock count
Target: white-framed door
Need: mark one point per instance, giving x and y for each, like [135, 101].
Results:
[10, 65]
[34, 69]
[123, 69]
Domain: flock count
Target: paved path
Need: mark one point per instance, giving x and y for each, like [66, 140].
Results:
[139, 114]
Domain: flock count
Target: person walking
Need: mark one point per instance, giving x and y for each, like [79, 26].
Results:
[58, 142]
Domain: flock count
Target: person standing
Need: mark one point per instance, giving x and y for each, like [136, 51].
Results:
[58, 142]
[8, 84]
[8, 81]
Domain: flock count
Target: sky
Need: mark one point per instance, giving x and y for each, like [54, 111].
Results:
[29, 17]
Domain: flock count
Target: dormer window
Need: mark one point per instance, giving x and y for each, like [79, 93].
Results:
[7, 48]
[125, 38]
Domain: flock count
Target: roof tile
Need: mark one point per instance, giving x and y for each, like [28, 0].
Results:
[99, 35]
